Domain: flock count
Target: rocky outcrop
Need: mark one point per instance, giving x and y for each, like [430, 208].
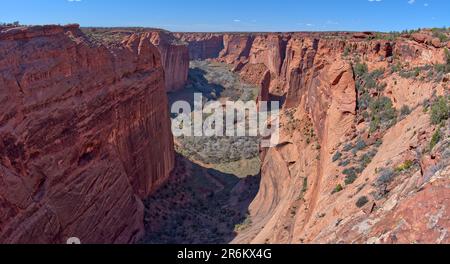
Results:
[303, 198]
[175, 59]
[84, 135]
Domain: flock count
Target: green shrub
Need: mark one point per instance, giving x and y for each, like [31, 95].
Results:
[404, 166]
[374, 124]
[346, 51]
[444, 68]
[348, 147]
[443, 37]
[360, 145]
[362, 201]
[360, 69]
[378, 143]
[364, 101]
[440, 111]
[337, 189]
[337, 156]
[350, 175]
[385, 177]
[344, 163]
[383, 113]
[435, 139]
[376, 74]
[244, 225]
[447, 55]
[366, 159]
[396, 68]
[305, 185]
[370, 82]
[405, 110]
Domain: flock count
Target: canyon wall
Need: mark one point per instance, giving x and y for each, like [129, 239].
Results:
[202, 46]
[84, 135]
[327, 136]
[175, 59]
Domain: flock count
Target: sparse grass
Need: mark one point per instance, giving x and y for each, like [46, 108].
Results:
[219, 150]
[241, 168]
[106, 36]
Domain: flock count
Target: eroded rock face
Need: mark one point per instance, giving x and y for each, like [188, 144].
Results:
[84, 135]
[203, 46]
[299, 200]
[175, 59]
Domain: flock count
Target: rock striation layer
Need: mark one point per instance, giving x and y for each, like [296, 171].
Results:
[84, 135]
[175, 59]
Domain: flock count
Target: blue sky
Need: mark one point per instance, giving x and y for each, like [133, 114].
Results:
[234, 15]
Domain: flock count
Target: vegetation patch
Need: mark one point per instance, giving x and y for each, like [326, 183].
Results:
[383, 114]
[362, 201]
[337, 189]
[337, 156]
[440, 111]
[407, 165]
[238, 155]
[350, 175]
[437, 136]
[244, 225]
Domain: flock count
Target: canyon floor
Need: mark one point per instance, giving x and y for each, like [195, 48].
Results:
[216, 178]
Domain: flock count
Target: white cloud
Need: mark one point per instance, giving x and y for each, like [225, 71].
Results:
[411, 2]
[71, 1]
[375, 0]
[237, 20]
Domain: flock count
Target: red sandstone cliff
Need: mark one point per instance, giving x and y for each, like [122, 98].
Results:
[303, 198]
[175, 59]
[84, 135]
[202, 46]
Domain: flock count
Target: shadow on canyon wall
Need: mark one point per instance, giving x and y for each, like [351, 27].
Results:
[199, 206]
